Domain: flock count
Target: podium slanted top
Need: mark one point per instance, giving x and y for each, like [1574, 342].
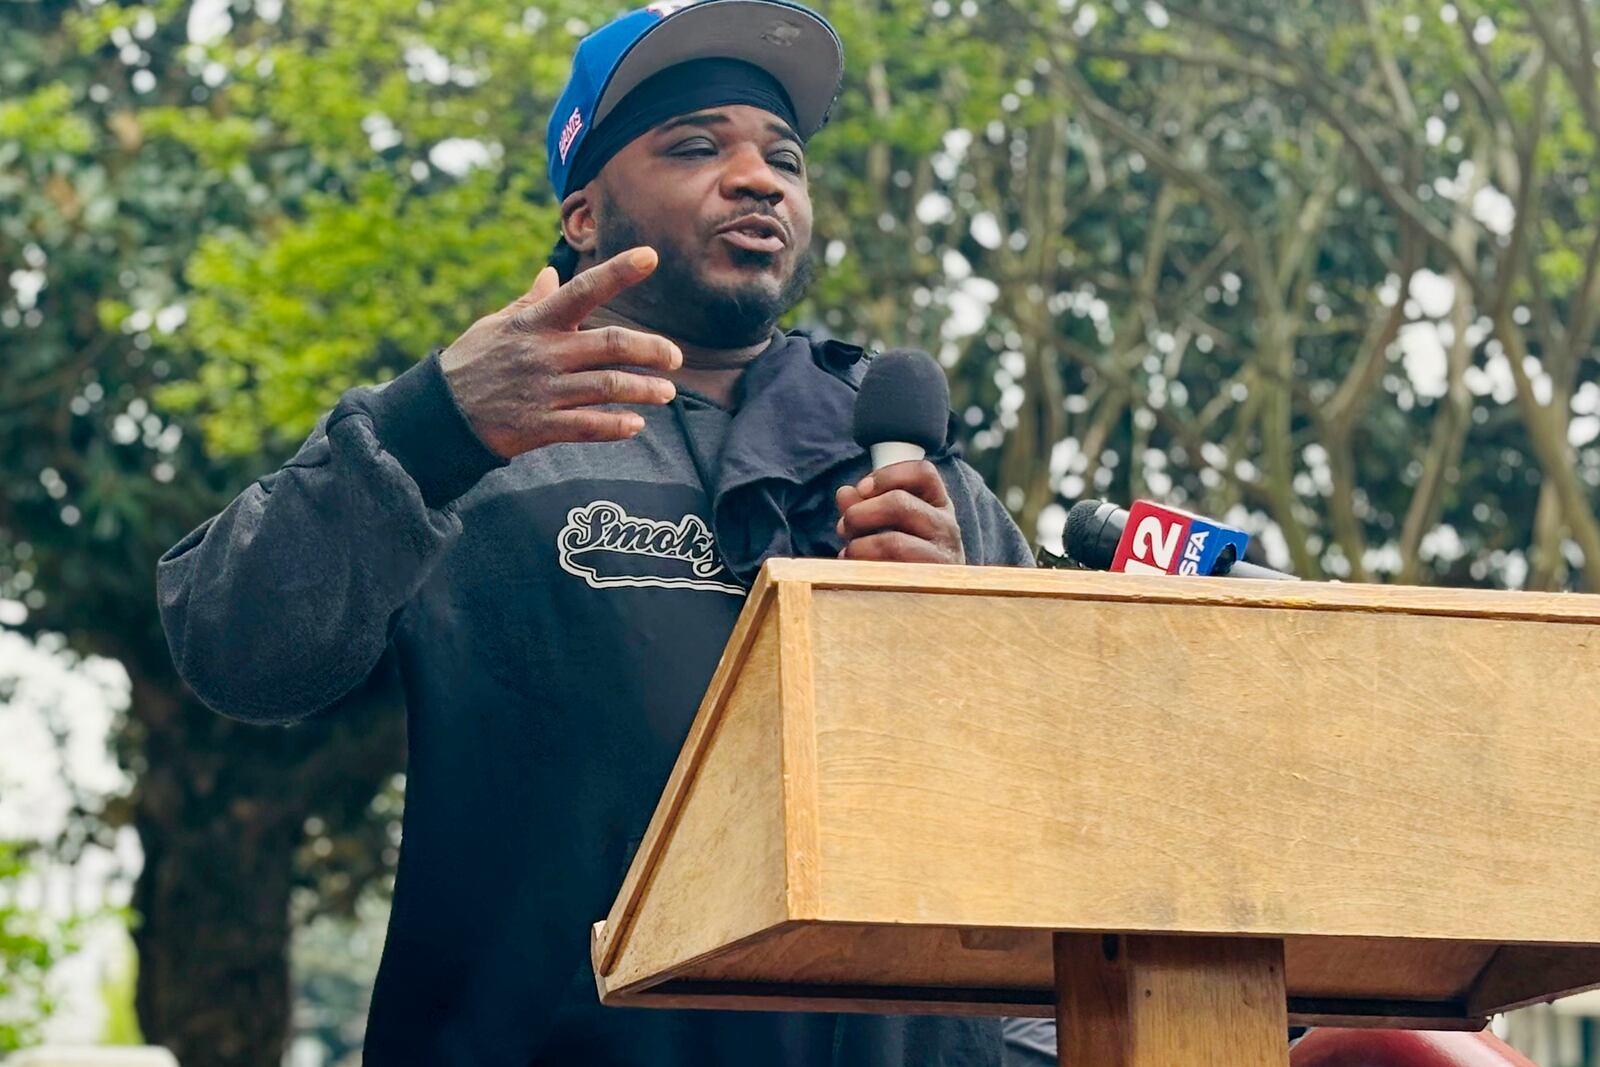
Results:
[904, 778]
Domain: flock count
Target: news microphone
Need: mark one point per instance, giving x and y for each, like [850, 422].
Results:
[903, 408]
[1153, 539]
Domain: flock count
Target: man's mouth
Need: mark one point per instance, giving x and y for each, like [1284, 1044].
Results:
[754, 233]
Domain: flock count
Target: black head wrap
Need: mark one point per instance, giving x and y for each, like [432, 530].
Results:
[678, 90]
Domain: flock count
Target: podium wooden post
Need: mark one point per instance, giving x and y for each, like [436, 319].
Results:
[1177, 813]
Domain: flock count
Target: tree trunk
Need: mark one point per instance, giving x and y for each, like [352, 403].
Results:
[213, 929]
[221, 808]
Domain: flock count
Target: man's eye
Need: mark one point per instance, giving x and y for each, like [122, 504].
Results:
[788, 161]
[699, 146]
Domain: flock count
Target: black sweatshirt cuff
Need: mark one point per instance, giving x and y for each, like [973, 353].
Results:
[417, 421]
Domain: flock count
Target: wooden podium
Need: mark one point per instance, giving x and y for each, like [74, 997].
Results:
[1178, 814]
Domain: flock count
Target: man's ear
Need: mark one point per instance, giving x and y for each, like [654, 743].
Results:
[578, 223]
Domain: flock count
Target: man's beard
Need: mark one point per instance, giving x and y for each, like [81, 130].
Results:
[678, 302]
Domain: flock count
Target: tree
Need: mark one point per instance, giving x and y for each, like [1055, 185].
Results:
[31, 943]
[1331, 270]
[1215, 249]
[96, 221]
[1452, 138]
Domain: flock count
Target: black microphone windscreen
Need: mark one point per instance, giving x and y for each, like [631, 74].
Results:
[904, 397]
[1093, 529]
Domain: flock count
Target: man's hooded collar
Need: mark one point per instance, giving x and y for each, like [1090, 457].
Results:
[787, 452]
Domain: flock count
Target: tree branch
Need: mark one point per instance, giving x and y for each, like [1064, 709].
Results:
[1547, 432]
[1584, 87]
[1393, 79]
[1582, 313]
[1332, 109]
[1571, 66]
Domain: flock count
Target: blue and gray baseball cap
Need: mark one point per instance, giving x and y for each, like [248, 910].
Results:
[793, 44]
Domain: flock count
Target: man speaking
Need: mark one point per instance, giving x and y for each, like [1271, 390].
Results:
[544, 533]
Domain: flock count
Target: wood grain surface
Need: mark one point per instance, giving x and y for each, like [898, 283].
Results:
[939, 957]
[797, 698]
[904, 778]
[823, 574]
[1519, 975]
[1169, 1001]
[1126, 766]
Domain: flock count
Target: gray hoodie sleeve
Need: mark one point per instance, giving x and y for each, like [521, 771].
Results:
[285, 602]
[988, 533]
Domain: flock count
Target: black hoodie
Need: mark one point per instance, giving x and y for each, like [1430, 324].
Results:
[552, 622]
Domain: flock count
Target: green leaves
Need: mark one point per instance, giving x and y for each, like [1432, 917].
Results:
[354, 292]
[31, 943]
[218, 142]
[1182, 250]
[43, 123]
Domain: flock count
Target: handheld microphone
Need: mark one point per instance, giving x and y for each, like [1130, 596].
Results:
[1152, 539]
[903, 408]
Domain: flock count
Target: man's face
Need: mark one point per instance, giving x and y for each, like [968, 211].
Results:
[721, 196]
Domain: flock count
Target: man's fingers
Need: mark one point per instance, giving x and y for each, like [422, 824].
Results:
[569, 305]
[847, 497]
[894, 510]
[610, 387]
[894, 546]
[587, 425]
[546, 283]
[611, 346]
[918, 477]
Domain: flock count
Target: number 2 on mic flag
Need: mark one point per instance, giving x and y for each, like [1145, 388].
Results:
[1162, 540]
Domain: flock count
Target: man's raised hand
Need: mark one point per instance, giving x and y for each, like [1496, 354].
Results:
[528, 375]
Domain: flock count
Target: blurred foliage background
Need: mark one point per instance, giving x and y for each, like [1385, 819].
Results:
[1330, 270]
[30, 945]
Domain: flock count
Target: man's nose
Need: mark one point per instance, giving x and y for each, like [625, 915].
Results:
[748, 175]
